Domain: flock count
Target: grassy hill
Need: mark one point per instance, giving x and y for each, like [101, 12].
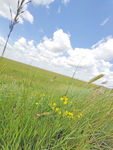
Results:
[35, 113]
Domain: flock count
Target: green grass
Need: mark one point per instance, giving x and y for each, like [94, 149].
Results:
[27, 126]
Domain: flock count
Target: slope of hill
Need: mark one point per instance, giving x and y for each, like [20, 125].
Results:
[35, 113]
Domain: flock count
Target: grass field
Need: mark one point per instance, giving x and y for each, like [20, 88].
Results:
[35, 114]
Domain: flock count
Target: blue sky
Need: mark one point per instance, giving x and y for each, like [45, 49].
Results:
[80, 18]
[84, 22]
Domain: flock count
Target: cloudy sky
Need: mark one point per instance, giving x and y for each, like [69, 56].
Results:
[62, 36]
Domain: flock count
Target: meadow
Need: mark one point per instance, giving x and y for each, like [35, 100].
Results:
[37, 112]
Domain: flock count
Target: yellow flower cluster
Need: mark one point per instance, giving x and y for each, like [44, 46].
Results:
[65, 99]
[57, 109]
[80, 115]
[68, 114]
[64, 113]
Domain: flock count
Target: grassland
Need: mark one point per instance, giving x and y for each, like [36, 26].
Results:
[35, 115]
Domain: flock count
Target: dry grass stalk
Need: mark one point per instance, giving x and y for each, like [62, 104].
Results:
[43, 114]
[73, 75]
[96, 78]
[104, 82]
[20, 10]
[54, 78]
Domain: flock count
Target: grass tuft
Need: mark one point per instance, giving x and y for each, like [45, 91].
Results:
[35, 115]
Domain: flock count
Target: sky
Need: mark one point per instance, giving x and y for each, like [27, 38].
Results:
[62, 36]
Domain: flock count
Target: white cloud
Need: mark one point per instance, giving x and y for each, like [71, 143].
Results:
[56, 54]
[56, 46]
[104, 22]
[48, 2]
[43, 2]
[104, 50]
[28, 16]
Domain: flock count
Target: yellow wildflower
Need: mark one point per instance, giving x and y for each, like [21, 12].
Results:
[61, 98]
[65, 102]
[54, 104]
[66, 98]
[78, 116]
[59, 112]
[36, 103]
[57, 109]
[71, 114]
[81, 114]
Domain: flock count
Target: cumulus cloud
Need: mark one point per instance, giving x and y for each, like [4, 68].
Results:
[104, 50]
[58, 45]
[56, 54]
